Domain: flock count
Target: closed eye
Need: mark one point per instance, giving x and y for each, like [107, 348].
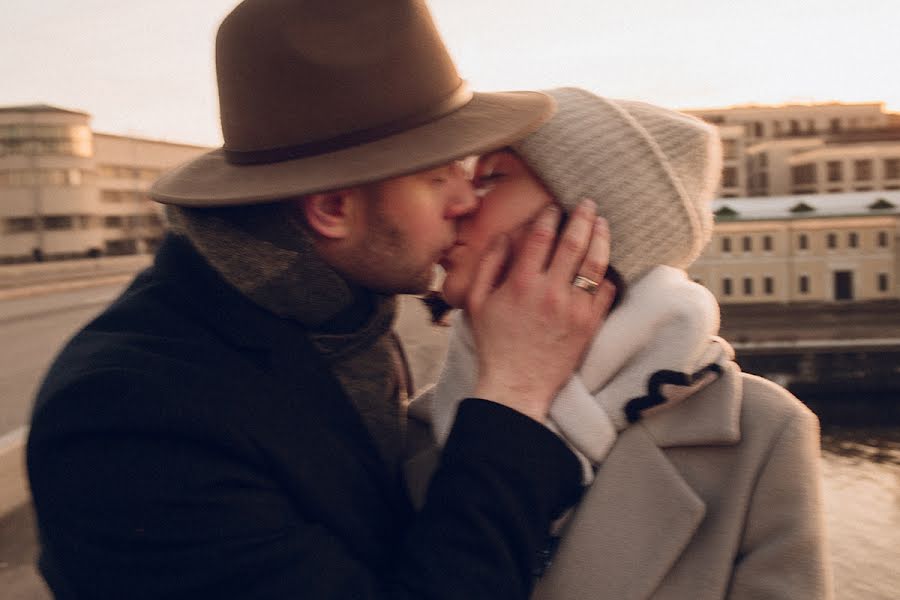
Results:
[484, 183]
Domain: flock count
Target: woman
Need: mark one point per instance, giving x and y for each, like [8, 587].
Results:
[700, 481]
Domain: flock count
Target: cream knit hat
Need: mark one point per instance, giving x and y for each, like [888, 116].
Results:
[652, 172]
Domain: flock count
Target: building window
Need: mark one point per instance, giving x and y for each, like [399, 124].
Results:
[804, 284]
[803, 241]
[892, 168]
[763, 179]
[803, 174]
[795, 127]
[835, 170]
[777, 126]
[767, 243]
[729, 177]
[747, 243]
[726, 286]
[835, 126]
[748, 286]
[18, 224]
[832, 240]
[853, 239]
[882, 239]
[862, 170]
[810, 126]
[112, 222]
[758, 130]
[768, 286]
[34, 140]
[763, 159]
[726, 244]
[883, 282]
[729, 149]
[57, 222]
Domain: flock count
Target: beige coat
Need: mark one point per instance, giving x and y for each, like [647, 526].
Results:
[718, 497]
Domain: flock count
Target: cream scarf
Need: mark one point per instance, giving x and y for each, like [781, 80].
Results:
[654, 350]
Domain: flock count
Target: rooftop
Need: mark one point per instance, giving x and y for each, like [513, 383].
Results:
[40, 108]
[807, 206]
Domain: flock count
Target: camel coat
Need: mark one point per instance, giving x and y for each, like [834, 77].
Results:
[718, 497]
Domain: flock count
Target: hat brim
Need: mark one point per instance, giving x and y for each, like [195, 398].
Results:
[488, 121]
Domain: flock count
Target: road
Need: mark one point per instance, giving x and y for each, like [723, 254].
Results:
[32, 329]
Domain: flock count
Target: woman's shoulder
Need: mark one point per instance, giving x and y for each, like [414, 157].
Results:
[765, 404]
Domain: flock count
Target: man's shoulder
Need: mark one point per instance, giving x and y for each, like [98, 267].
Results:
[145, 346]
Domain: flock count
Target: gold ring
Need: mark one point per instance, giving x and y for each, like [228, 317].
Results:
[586, 284]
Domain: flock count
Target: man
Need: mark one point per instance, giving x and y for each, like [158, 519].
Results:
[232, 426]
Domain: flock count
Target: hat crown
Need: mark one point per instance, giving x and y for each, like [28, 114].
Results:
[294, 72]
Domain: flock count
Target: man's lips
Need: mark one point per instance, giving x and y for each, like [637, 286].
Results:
[447, 257]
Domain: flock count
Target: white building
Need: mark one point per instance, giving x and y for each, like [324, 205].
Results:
[68, 192]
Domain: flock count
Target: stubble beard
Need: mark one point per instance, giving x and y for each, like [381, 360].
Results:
[388, 253]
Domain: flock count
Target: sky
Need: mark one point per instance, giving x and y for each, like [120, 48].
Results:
[146, 68]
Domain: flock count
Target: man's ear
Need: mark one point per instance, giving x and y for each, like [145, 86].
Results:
[330, 214]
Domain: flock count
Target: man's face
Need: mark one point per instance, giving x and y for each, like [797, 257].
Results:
[408, 225]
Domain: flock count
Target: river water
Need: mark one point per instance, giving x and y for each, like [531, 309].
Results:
[861, 471]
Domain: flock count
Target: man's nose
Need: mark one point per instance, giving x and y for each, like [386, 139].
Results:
[463, 199]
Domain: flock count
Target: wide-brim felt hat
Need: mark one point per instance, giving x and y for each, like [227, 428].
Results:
[318, 95]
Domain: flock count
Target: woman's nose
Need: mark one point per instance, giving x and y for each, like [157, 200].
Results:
[463, 201]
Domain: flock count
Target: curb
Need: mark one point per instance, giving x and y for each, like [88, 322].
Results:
[63, 286]
[13, 478]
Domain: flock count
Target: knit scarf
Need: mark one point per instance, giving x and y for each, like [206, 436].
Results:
[657, 348]
[266, 254]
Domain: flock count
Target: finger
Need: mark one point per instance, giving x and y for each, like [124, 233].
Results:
[573, 244]
[596, 261]
[534, 254]
[487, 273]
[603, 299]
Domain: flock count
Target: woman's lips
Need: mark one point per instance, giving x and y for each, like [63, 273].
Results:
[446, 260]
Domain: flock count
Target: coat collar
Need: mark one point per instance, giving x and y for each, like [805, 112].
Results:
[629, 528]
[182, 275]
[639, 514]
[709, 417]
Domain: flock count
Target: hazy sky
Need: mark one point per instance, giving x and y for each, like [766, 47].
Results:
[145, 68]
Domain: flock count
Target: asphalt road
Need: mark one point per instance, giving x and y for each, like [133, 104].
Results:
[32, 330]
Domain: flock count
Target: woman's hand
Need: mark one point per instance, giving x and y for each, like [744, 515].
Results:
[531, 330]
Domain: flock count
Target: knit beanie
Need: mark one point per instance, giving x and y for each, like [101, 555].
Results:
[651, 171]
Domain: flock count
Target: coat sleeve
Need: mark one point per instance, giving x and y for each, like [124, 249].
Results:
[140, 514]
[783, 553]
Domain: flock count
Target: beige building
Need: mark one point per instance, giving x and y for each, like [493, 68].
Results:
[807, 149]
[68, 192]
[734, 164]
[796, 120]
[814, 248]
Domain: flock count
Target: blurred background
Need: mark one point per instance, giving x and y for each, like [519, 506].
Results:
[98, 99]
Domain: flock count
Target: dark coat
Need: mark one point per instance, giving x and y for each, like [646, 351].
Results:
[188, 444]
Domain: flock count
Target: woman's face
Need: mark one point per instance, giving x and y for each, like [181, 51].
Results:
[511, 197]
